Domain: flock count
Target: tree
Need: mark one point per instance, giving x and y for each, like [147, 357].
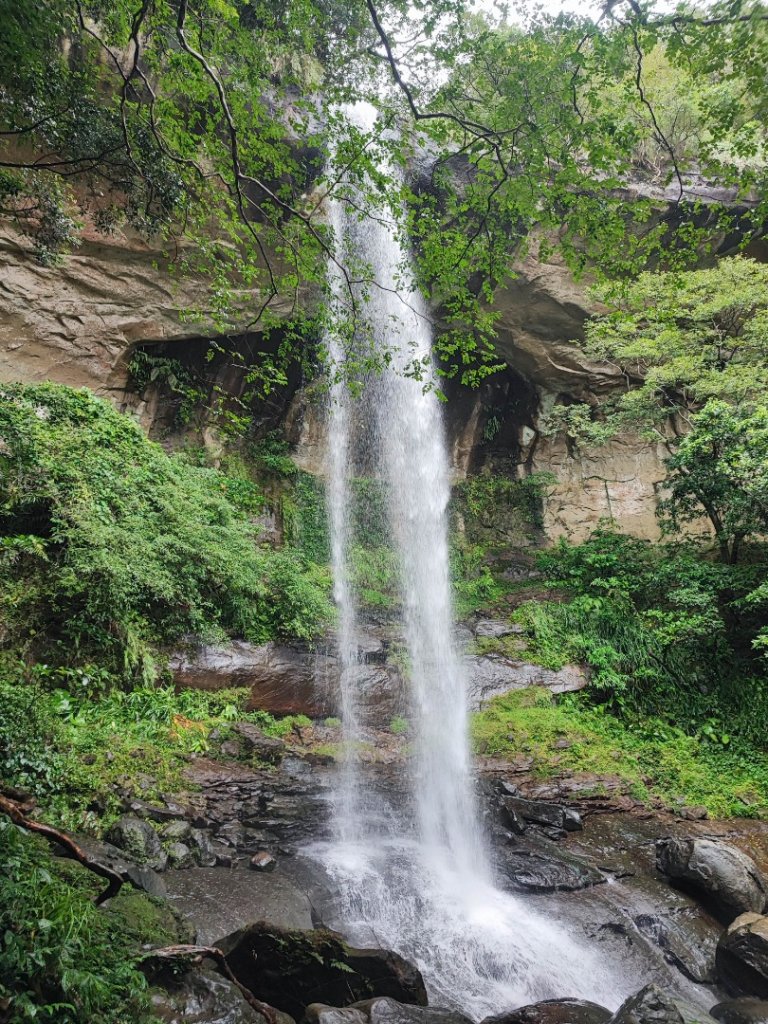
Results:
[207, 124]
[680, 339]
[692, 350]
[720, 468]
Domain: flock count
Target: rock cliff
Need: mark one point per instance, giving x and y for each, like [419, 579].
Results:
[79, 322]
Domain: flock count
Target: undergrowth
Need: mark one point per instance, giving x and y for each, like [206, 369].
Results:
[61, 958]
[111, 548]
[651, 757]
[83, 752]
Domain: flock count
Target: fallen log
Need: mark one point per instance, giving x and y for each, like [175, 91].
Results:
[16, 812]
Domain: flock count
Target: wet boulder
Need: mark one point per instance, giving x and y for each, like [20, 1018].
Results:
[139, 840]
[742, 957]
[719, 874]
[537, 872]
[541, 812]
[744, 1010]
[652, 1006]
[319, 1013]
[389, 1011]
[291, 969]
[202, 996]
[554, 1011]
[382, 1011]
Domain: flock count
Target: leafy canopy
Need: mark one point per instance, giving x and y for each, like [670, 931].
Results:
[207, 124]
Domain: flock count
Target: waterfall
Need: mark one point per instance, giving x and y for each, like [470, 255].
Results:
[416, 877]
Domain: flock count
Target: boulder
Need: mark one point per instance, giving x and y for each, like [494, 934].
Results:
[651, 1006]
[742, 957]
[540, 812]
[263, 861]
[720, 874]
[177, 831]
[254, 743]
[537, 872]
[291, 969]
[554, 1011]
[389, 1011]
[139, 840]
[180, 855]
[490, 675]
[745, 1010]
[201, 996]
[319, 1013]
[140, 875]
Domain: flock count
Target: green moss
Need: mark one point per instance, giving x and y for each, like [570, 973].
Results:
[650, 756]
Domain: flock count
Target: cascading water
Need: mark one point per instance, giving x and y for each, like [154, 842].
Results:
[417, 878]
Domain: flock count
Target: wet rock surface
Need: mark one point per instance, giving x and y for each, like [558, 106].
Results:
[652, 1006]
[742, 956]
[744, 1010]
[217, 902]
[722, 875]
[290, 969]
[554, 1011]
[201, 996]
[389, 1011]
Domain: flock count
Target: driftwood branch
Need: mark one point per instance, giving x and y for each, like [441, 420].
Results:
[16, 812]
[196, 954]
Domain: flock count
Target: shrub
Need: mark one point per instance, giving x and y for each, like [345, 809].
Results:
[61, 958]
[113, 547]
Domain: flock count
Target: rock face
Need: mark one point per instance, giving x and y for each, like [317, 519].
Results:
[79, 322]
[287, 679]
[490, 675]
[291, 969]
[651, 1006]
[742, 957]
[721, 874]
[555, 1011]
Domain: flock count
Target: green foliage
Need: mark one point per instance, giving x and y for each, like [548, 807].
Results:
[474, 584]
[483, 497]
[720, 468]
[114, 547]
[60, 958]
[146, 369]
[651, 757]
[684, 338]
[693, 349]
[664, 631]
[399, 726]
[194, 146]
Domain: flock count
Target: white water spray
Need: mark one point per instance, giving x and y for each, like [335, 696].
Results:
[428, 895]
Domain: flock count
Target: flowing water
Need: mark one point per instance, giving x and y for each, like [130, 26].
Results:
[416, 878]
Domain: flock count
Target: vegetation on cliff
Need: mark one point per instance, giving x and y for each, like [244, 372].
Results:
[114, 549]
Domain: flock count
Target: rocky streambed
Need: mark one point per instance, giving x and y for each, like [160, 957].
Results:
[676, 903]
